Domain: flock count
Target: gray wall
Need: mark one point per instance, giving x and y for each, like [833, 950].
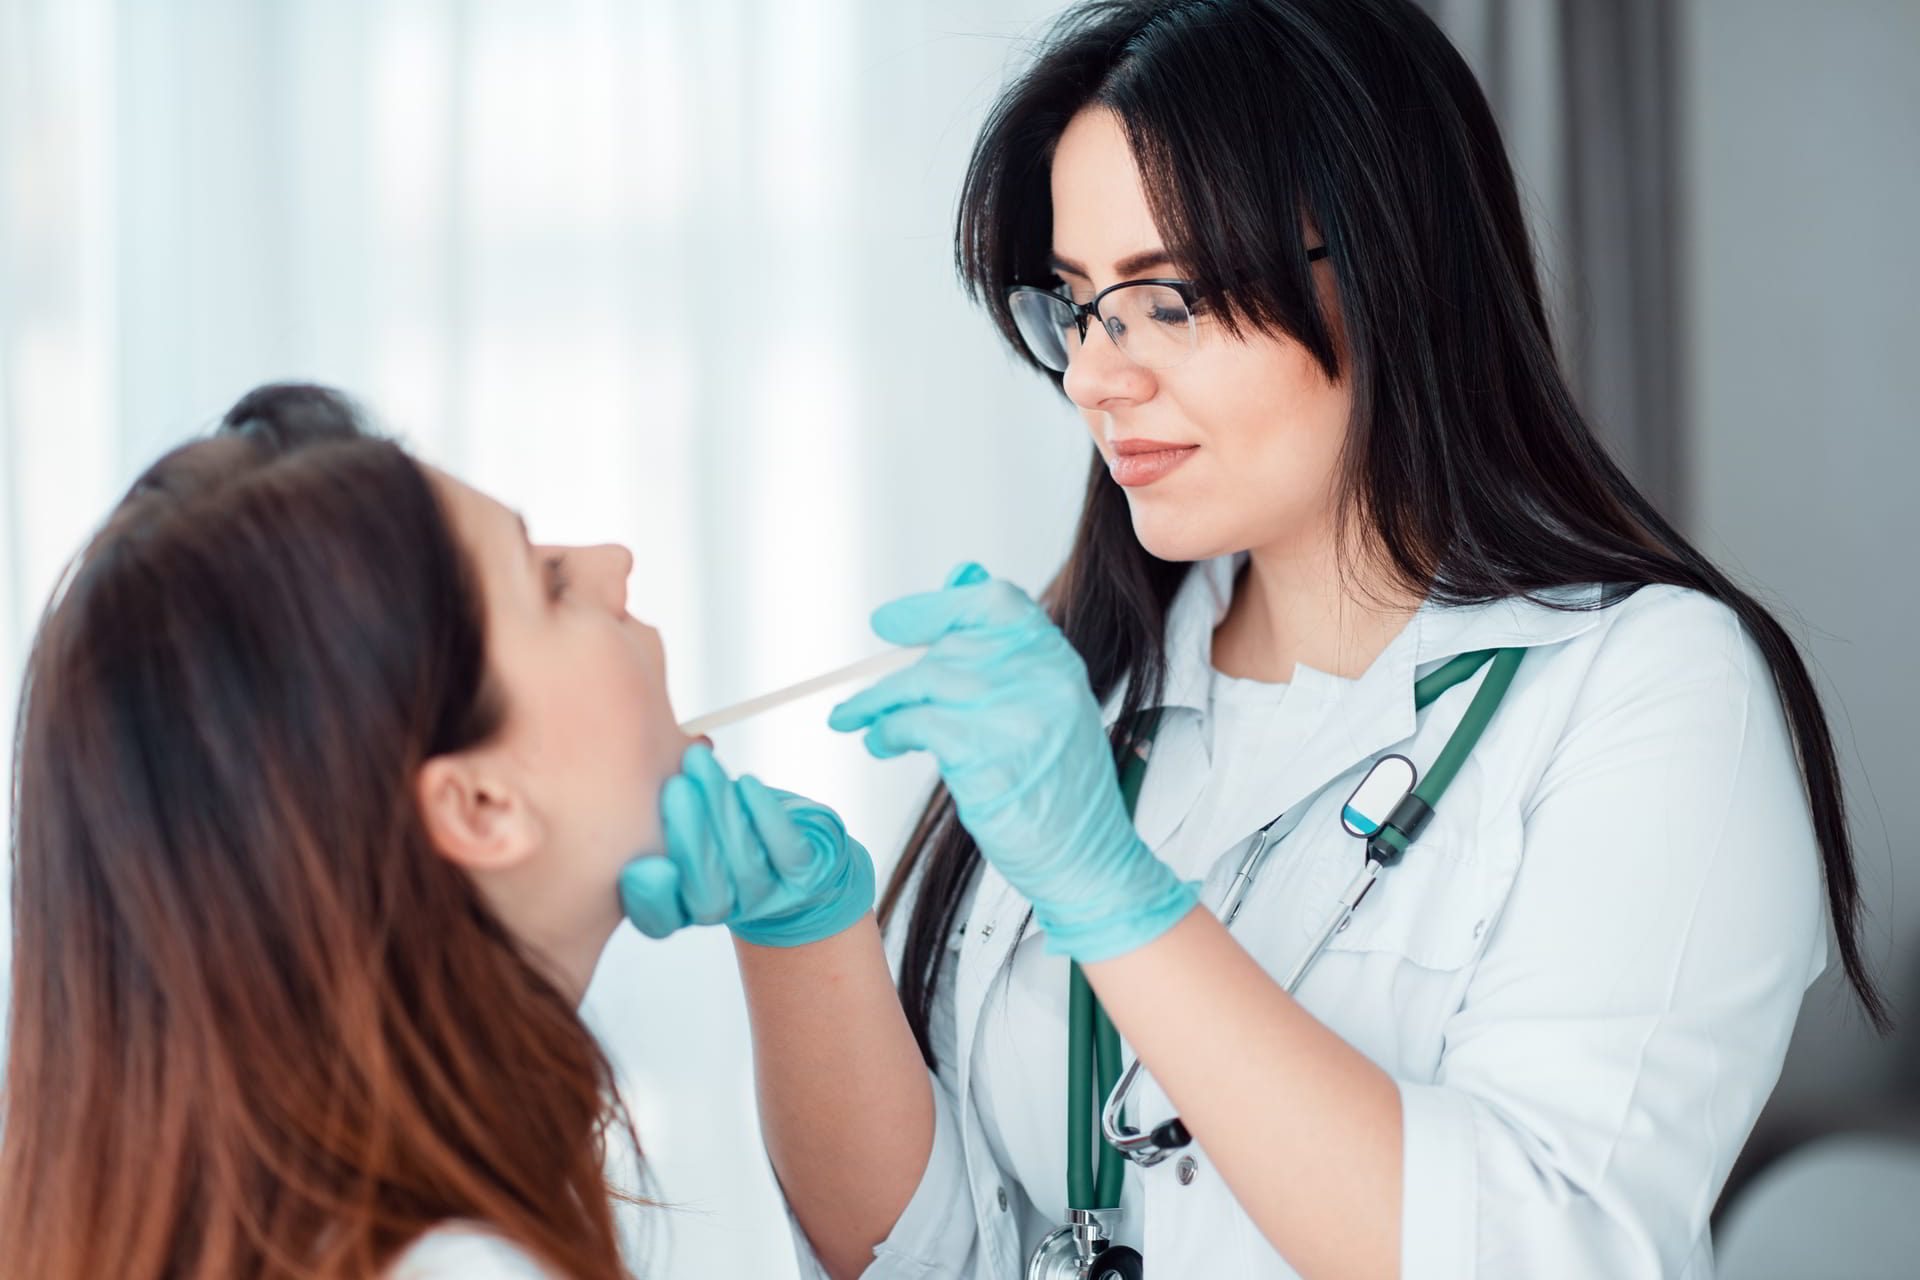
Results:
[1802, 188]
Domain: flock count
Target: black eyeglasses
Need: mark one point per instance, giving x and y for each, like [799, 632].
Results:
[1151, 321]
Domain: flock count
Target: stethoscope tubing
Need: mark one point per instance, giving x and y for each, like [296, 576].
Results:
[1385, 847]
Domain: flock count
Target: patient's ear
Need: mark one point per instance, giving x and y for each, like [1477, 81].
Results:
[474, 819]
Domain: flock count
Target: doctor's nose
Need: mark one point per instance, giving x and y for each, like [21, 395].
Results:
[1099, 374]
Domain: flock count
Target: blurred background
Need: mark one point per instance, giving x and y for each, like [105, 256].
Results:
[679, 275]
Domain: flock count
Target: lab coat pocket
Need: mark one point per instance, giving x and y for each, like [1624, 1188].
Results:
[1435, 907]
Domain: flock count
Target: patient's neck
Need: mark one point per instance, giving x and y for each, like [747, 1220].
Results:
[570, 963]
[564, 941]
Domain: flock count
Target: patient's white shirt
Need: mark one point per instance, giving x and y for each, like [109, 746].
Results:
[466, 1251]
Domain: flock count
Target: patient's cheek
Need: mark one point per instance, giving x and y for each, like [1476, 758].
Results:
[666, 744]
[650, 758]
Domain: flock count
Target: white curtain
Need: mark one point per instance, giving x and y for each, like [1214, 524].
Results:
[677, 275]
[1587, 98]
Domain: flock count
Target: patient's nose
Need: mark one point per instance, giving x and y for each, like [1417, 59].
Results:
[611, 565]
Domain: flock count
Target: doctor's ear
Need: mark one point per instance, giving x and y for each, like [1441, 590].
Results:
[474, 820]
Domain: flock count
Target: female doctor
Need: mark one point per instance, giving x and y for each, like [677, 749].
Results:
[1272, 251]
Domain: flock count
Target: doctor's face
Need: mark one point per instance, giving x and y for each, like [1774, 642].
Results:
[1237, 447]
[588, 736]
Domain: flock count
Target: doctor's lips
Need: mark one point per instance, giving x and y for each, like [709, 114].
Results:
[1141, 462]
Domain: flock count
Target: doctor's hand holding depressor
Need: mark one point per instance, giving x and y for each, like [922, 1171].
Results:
[776, 868]
[1002, 701]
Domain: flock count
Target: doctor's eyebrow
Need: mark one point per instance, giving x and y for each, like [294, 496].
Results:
[1132, 265]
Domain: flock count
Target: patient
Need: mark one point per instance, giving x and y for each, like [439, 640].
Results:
[324, 778]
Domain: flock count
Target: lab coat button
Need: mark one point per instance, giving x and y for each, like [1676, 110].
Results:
[1000, 1193]
[1186, 1169]
[986, 930]
[1479, 927]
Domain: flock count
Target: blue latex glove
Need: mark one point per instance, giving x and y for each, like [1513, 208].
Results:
[1002, 701]
[776, 868]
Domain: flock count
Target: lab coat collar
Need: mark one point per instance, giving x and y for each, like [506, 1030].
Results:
[1343, 721]
[1436, 632]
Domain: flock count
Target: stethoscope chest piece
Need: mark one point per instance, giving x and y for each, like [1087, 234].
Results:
[1118, 1263]
[1083, 1250]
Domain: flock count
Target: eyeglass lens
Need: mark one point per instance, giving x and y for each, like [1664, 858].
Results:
[1149, 322]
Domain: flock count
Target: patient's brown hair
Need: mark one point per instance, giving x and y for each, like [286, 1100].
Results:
[259, 1028]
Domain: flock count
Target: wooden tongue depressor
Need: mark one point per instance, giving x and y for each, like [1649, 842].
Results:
[873, 668]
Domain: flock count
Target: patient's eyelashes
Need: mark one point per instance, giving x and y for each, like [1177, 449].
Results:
[557, 580]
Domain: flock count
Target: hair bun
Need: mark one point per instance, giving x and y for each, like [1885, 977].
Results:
[283, 416]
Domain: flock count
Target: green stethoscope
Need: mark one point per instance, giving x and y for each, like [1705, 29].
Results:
[1083, 1248]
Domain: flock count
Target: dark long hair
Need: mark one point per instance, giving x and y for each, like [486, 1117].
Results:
[260, 1029]
[1467, 458]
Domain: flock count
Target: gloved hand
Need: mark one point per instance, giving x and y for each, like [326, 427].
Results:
[1002, 701]
[776, 868]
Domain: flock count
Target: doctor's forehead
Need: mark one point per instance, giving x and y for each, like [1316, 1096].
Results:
[1101, 218]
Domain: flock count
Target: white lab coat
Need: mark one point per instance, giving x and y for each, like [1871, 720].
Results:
[1583, 975]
